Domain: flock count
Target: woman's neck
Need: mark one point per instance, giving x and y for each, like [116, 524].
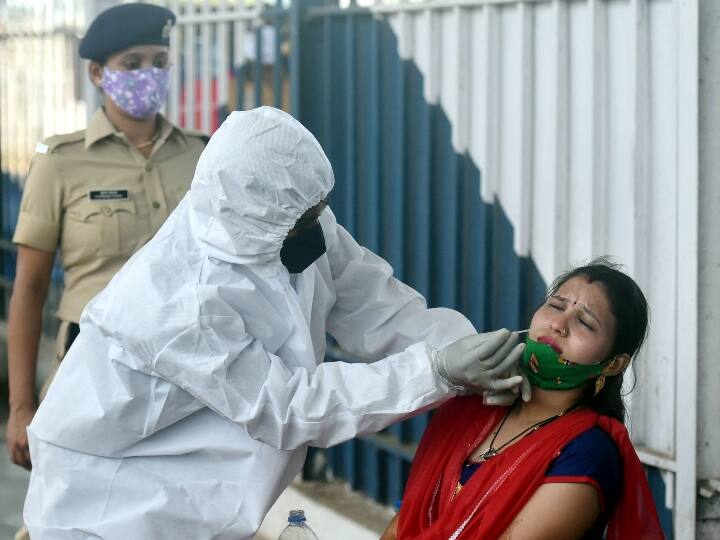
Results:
[547, 403]
[137, 131]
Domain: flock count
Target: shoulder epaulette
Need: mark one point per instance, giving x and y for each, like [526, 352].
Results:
[197, 134]
[47, 146]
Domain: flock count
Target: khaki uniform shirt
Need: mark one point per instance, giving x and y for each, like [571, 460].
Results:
[97, 199]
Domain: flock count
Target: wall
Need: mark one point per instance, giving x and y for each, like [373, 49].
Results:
[538, 134]
[709, 270]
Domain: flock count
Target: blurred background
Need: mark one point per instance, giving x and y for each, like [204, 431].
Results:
[481, 147]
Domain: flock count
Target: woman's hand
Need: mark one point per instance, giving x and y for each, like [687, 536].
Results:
[16, 436]
[32, 279]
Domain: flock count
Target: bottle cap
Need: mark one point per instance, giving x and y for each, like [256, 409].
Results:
[296, 516]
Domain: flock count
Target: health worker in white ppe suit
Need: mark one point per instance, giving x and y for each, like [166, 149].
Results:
[197, 382]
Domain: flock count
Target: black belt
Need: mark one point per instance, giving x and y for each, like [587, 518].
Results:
[73, 331]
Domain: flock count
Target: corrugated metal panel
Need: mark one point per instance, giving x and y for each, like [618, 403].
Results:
[39, 76]
[226, 55]
[584, 119]
[708, 398]
[709, 223]
[406, 192]
[571, 121]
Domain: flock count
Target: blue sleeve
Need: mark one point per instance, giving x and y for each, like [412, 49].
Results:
[590, 458]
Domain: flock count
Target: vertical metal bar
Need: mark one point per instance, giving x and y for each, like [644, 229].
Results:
[11, 121]
[392, 122]
[418, 124]
[223, 66]
[239, 62]
[599, 129]
[461, 135]
[4, 135]
[560, 136]
[491, 102]
[278, 20]
[351, 126]
[418, 224]
[640, 158]
[325, 134]
[393, 206]
[444, 176]
[69, 74]
[176, 68]
[642, 150]
[206, 106]
[20, 103]
[370, 479]
[348, 469]
[525, 129]
[367, 120]
[190, 72]
[57, 55]
[92, 96]
[258, 66]
[296, 8]
[476, 211]
[688, 60]
[4, 180]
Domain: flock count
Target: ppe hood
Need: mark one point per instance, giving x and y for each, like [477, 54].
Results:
[258, 174]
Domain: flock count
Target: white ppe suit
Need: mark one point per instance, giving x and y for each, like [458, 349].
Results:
[187, 402]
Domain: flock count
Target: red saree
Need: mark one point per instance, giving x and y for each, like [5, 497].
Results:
[498, 490]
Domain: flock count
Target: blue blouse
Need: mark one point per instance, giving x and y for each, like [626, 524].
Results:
[590, 458]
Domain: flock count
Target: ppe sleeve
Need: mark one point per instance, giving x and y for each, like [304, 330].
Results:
[38, 224]
[285, 406]
[375, 314]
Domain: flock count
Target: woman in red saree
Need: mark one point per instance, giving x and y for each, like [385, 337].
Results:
[559, 466]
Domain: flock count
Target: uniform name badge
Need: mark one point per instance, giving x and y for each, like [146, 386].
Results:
[108, 195]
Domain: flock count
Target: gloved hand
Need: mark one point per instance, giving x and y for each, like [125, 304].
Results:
[508, 397]
[479, 362]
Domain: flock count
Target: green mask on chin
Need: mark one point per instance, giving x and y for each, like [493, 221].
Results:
[546, 369]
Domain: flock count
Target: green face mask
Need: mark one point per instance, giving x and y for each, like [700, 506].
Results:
[546, 369]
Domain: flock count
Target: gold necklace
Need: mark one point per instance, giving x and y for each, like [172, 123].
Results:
[492, 452]
[148, 143]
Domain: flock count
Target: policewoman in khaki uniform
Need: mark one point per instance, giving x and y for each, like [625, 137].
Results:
[96, 195]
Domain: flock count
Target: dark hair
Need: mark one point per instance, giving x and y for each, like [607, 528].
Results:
[630, 309]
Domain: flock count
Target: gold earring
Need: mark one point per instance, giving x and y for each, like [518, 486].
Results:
[599, 384]
[600, 381]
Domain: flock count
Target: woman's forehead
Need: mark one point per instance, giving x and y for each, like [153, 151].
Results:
[591, 294]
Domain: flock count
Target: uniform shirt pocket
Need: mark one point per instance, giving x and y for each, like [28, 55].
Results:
[109, 226]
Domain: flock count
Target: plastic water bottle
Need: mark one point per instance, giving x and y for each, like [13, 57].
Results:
[297, 528]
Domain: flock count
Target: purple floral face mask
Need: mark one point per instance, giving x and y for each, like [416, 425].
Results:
[140, 92]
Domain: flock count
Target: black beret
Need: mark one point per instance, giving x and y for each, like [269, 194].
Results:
[124, 26]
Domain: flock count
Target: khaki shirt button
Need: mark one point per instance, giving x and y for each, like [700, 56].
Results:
[106, 210]
[155, 205]
[148, 168]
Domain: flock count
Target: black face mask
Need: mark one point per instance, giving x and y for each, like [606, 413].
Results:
[303, 249]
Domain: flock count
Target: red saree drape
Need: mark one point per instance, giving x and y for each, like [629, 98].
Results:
[499, 489]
